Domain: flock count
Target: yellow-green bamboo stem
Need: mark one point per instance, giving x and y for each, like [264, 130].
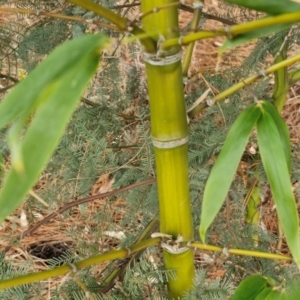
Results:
[119, 272]
[232, 31]
[240, 252]
[294, 77]
[252, 78]
[245, 82]
[82, 286]
[190, 48]
[164, 23]
[71, 268]
[281, 85]
[253, 209]
[169, 135]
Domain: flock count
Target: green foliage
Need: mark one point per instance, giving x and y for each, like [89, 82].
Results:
[41, 41]
[53, 101]
[272, 7]
[227, 163]
[7, 270]
[271, 130]
[215, 289]
[112, 136]
[275, 7]
[257, 287]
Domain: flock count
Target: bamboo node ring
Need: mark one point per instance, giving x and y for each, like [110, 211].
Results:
[155, 60]
[170, 144]
[198, 4]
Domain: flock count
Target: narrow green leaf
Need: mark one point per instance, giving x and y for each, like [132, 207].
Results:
[282, 130]
[58, 97]
[250, 287]
[276, 295]
[254, 34]
[263, 295]
[293, 289]
[274, 161]
[226, 165]
[2, 164]
[272, 7]
[22, 99]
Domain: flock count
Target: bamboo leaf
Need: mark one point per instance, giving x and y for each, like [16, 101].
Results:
[276, 295]
[226, 165]
[282, 130]
[254, 34]
[250, 287]
[2, 164]
[269, 293]
[264, 294]
[275, 164]
[272, 7]
[50, 69]
[57, 97]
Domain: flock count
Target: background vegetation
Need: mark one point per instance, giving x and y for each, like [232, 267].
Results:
[107, 147]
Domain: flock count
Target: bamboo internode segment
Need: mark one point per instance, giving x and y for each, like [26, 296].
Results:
[167, 105]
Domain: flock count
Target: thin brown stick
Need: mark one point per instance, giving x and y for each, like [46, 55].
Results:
[85, 200]
[78, 202]
[185, 8]
[6, 88]
[56, 16]
[5, 76]
[207, 16]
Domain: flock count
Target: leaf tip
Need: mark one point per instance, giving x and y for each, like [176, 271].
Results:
[202, 233]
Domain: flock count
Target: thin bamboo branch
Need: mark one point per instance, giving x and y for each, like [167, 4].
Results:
[281, 84]
[207, 16]
[119, 272]
[69, 268]
[125, 253]
[232, 31]
[244, 83]
[184, 8]
[240, 251]
[190, 48]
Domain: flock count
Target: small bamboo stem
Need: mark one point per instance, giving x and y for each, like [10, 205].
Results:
[247, 81]
[281, 85]
[240, 252]
[190, 48]
[65, 269]
[253, 208]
